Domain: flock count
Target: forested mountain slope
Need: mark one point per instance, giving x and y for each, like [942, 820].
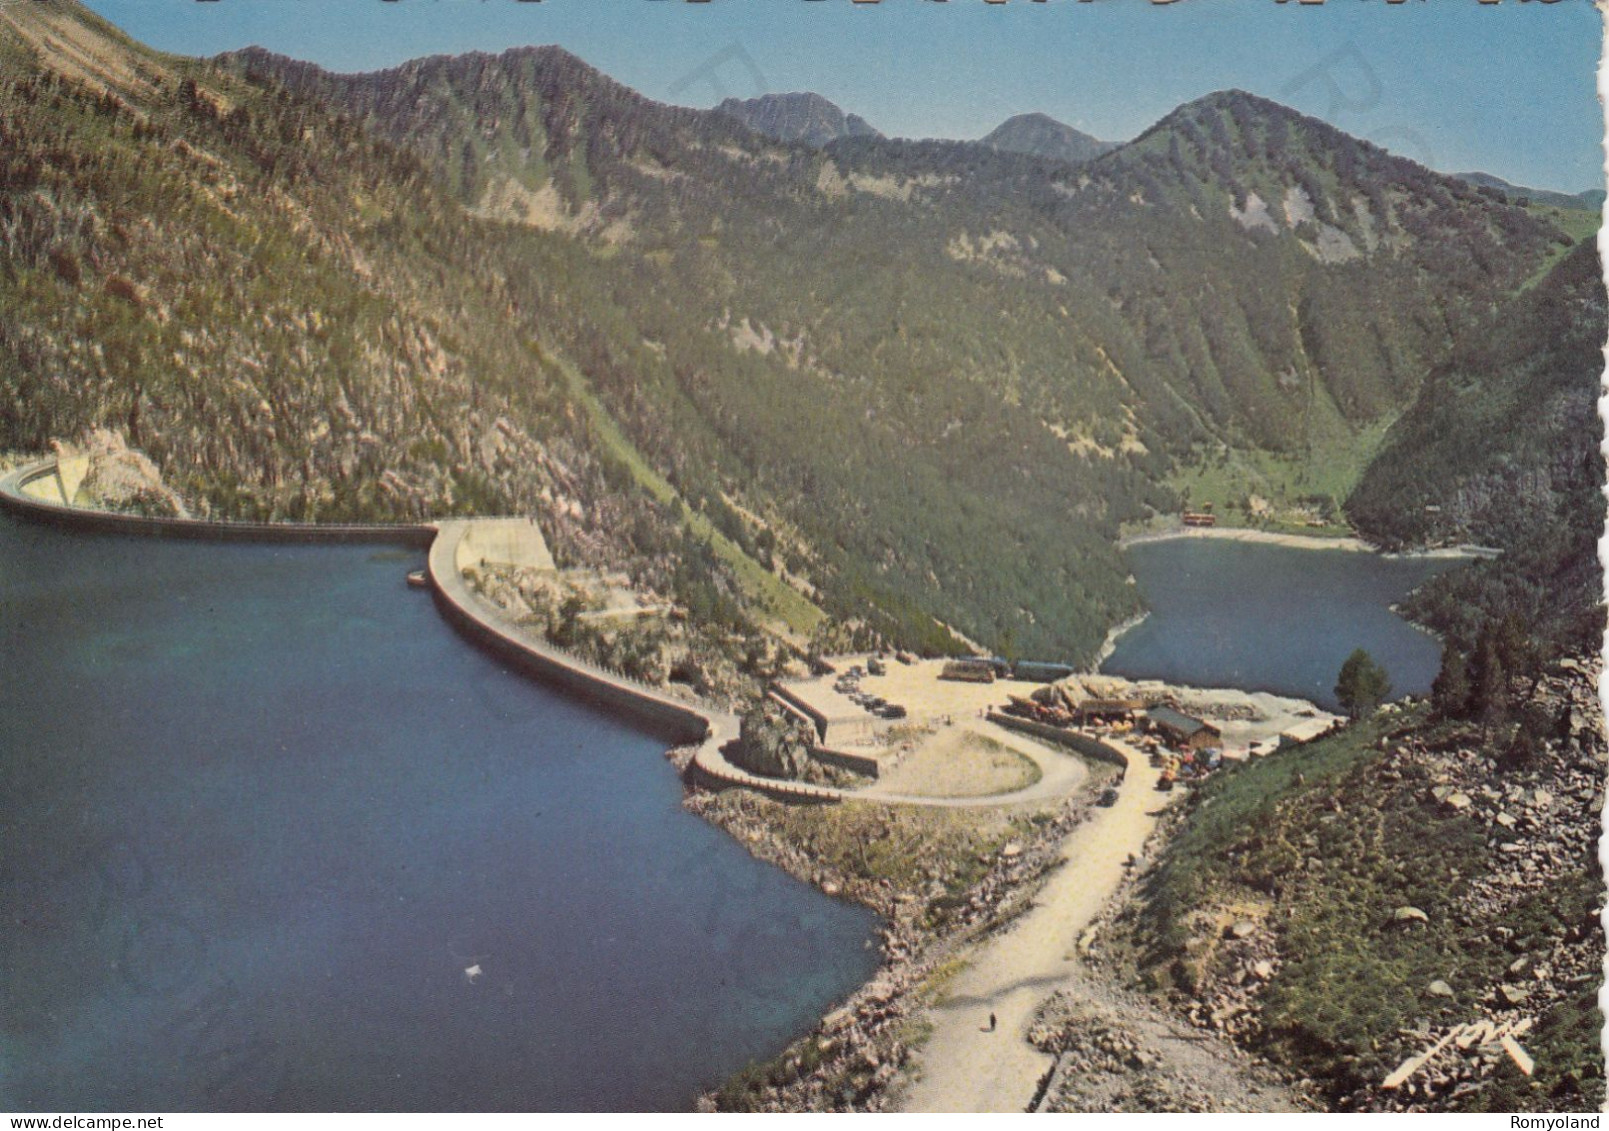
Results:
[1237, 268]
[292, 319]
[1436, 864]
[1590, 199]
[1038, 345]
[1501, 439]
[1502, 448]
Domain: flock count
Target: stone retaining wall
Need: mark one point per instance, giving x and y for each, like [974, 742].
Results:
[796, 704]
[861, 764]
[1079, 743]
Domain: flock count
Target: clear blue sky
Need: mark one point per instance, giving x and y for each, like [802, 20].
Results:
[1508, 88]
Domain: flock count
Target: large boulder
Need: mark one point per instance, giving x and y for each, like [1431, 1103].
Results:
[774, 744]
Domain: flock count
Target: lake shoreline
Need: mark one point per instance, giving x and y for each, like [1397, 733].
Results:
[879, 1028]
[1115, 634]
[1258, 613]
[459, 820]
[1350, 544]
[872, 1036]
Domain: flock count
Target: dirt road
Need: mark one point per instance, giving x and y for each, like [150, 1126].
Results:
[967, 1067]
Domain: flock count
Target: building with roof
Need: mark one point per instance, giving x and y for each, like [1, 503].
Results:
[1306, 731]
[1182, 731]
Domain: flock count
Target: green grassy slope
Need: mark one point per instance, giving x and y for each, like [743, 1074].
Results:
[1320, 847]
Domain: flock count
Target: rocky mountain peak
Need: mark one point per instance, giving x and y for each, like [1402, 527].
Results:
[802, 117]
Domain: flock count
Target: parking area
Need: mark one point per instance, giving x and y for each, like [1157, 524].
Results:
[869, 695]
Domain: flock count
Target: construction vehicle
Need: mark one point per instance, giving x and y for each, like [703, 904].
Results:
[1170, 773]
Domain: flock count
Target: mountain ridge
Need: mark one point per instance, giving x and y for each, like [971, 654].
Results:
[1590, 199]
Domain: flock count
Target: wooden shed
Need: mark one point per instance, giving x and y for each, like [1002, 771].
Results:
[1182, 731]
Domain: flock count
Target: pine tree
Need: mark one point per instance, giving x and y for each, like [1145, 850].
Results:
[1490, 698]
[1450, 693]
[1362, 685]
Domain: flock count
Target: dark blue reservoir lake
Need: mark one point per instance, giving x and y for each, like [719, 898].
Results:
[261, 810]
[1266, 617]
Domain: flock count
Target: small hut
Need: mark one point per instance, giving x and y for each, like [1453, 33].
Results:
[1182, 731]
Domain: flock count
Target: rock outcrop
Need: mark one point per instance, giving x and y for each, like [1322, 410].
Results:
[776, 745]
[103, 471]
